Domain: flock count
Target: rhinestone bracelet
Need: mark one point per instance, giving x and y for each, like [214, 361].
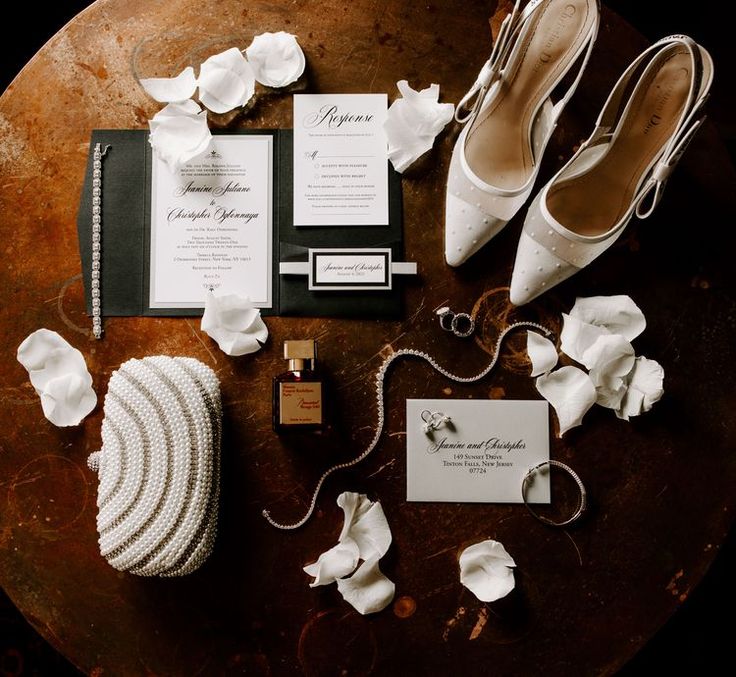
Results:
[380, 376]
[99, 153]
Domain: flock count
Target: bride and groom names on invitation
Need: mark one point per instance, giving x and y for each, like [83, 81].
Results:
[477, 457]
[211, 225]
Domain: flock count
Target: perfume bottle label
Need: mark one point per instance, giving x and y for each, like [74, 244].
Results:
[300, 403]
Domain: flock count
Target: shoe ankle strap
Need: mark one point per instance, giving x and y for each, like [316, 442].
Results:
[504, 47]
[691, 119]
[491, 71]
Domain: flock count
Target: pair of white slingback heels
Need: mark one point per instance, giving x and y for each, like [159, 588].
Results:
[642, 131]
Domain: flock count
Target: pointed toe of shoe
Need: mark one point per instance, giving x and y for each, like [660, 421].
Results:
[467, 230]
[535, 271]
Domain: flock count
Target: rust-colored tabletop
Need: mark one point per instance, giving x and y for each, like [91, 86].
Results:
[587, 598]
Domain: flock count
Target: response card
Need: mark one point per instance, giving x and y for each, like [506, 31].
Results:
[481, 455]
[340, 160]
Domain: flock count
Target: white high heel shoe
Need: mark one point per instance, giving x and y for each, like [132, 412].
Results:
[509, 118]
[621, 170]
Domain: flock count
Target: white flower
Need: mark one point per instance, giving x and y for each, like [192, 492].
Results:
[365, 523]
[226, 81]
[413, 122]
[365, 535]
[616, 314]
[60, 377]
[234, 323]
[179, 133]
[644, 387]
[337, 562]
[276, 58]
[542, 353]
[570, 392]
[486, 569]
[368, 590]
[166, 90]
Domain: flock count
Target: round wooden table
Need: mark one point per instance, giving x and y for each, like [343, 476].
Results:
[587, 598]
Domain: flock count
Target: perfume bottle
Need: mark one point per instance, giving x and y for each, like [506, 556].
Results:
[298, 393]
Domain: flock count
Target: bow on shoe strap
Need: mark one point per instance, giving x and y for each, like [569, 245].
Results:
[492, 70]
[651, 193]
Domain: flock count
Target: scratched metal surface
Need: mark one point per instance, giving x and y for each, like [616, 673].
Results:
[586, 600]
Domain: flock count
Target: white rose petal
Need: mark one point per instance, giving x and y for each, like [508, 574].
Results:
[67, 399]
[179, 133]
[366, 524]
[365, 535]
[166, 90]
[226, 81]
[577, 336]
[367, 590]
[60, 377]
[413, 122]
[234, 323]
[617, 314]
[486, 569]
[276, 58]
[542, 353]
[610, 354]
[645, 386]
[609, 389]
[571, 393]
[337, 562]
[609, 359]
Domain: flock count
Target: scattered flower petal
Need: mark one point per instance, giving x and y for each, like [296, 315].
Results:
[617, 314]
[486, 569]
[645, 385]
[179, 133]
[610, 354]
[367, 590]
[413, 122]
[609, 359]
[60, 377]
[571, 393]
[67, 399]
[234, 323]
[226, 81]
[542, 353]
[577, 336]
[365, 523]
[337, 562]
[609, 389]
[276, 58]
[166, 90]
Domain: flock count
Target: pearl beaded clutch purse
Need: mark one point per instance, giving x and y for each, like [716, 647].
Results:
[159, 466]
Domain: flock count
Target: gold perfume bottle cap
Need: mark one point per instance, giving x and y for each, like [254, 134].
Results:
[297, 352]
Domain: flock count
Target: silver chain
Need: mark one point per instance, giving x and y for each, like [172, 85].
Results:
[97, 156]
[380, 376]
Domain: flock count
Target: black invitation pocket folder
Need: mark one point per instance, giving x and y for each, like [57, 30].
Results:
[126, 237]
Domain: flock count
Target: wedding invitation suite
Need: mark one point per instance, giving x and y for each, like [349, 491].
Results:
[481, 456]
[211, 225]
[340, 160]
[226, 222]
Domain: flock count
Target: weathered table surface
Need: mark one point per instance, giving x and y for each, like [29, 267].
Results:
[587, 599]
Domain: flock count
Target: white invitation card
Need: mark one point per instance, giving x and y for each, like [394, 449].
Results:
[340, 160]
[211, 224]
[481, 456]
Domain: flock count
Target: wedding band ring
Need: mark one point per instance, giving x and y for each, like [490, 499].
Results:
[463, 325]
[583, 494]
